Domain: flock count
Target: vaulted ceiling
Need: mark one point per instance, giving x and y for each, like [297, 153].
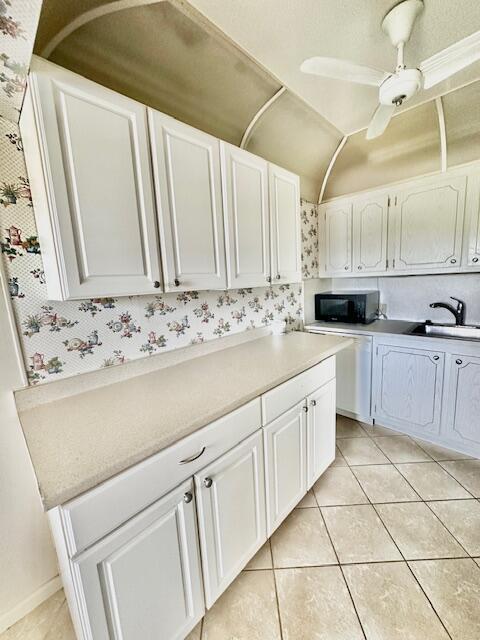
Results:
[214, 63]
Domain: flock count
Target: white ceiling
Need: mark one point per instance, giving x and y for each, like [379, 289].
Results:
[280, 34]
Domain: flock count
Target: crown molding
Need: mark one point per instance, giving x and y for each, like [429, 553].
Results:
[454, 58]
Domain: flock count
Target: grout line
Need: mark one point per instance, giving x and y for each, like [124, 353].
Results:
[278, 603]
[452, 476]
[446, 528]
[470, 495]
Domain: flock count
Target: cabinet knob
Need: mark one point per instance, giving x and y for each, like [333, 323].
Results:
[313, 403]
[277, 276]
[347, 267]
[269, 278]
[458, 361]
[453, 260]
[208, 482]
[156, 284]
[359, 267]
[187, 497]
[305, 409]
[176, 282]
[436, 357]
[475, 260]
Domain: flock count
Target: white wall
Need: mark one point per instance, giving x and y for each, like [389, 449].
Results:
[28, 566]
[409, 297]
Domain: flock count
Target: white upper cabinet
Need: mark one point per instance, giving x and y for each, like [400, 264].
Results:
[231, 513]
[472, 240]
[186, 165]
[144, 579]
[429, 224]
[338, 237]
[285, 225]
[245, 182]
[87, 153]
[370, 222]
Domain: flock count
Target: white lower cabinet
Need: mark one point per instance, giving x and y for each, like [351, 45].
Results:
[462, 423]
[144, 579]
[408, 387]
[231, 513]
[286, 464]
[321, 419]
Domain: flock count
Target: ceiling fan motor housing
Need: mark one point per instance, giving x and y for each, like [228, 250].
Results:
[400, 87]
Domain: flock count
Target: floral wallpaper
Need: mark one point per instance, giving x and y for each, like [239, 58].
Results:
[66, 338]
[18, 25]
[309, 231]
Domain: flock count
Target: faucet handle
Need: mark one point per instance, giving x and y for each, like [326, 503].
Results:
[460, 302]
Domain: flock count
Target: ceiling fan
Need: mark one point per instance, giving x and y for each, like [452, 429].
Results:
[401, 85]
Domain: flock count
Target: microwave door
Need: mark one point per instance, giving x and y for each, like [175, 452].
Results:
[338, 309]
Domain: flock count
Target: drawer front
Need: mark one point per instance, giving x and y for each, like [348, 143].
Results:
[288, 394]
[93, 515]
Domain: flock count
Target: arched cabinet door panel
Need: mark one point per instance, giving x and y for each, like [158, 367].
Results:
[370, 221]
[338, 237]
[462, 423]
[186, 167]
[429, 224]
[88, 158]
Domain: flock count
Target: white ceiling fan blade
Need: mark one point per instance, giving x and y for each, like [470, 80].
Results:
[451, 60]
[380, 120]
[343, 70]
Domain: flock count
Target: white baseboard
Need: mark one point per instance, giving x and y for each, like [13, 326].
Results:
[354, 416]
[29, 604]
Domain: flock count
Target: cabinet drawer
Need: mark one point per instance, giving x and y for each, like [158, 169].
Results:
[288, 394]
[91, 516]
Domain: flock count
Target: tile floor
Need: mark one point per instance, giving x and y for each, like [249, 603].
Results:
[385, 547]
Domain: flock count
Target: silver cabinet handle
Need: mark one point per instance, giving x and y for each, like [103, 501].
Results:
[305, 409]
[458, 361]
[208, 482]
[436, 357]
[156, 284]
[188, 497]
[176, 282]
[313, 403]
[194, 457]
[453, 260]
[269, 278]
[347, 267]
[278, 276]
[475, 260]
[359, 267]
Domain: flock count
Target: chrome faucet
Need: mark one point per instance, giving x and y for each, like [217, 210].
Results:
[458, 311]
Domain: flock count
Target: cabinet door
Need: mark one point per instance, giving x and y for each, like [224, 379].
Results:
[408, 387]
[144, 580]
[286, 465]
[95, 208]
[370, 219]
[320, 431]
[338, 237]
[472, 248]
[286, 250]
[463, 402]
[429, 224]
[231, 514]
[186, 166]
[245, 188]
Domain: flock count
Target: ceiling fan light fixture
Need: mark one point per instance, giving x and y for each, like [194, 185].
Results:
[400, 87]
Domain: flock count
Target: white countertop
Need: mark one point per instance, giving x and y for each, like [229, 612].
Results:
[79, 441]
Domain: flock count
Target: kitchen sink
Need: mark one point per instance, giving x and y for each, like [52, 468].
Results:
[461, 332]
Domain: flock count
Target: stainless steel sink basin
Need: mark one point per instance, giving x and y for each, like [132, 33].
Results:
[462, 332]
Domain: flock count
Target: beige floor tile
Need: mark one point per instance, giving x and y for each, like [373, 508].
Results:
[467, 472]
[437, 452]
[462, 519]
[196, 634]
[383, 483]
[338, 486]
[401, 449]
[361, 451]
[431, 482]
[348, 428]
[246, 611]
[36, 624]
[307, 501]
[390, 603]
[262, 559]
[418, 532]
[339, 459]
[358, 534]
[62, 627]
[453, 587]
[314, 604]
[302, 541]
[477, 560]
[374, 430]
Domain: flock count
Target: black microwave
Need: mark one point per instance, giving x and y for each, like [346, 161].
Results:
[347, 306]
